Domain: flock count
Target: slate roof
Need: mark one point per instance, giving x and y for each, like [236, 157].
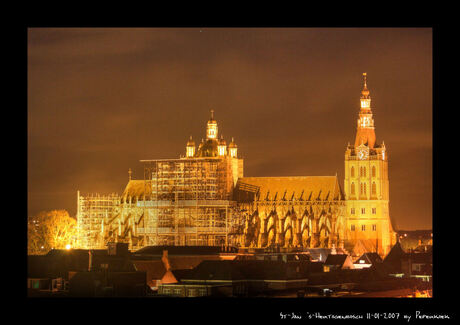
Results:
[313, 187]
[370, 258]
[336, 259]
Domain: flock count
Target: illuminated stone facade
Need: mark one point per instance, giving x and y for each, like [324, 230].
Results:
[367, 186]
[304, 211]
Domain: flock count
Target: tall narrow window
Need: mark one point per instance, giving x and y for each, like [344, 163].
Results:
[363, 227]
[374, 210]
[364, 171]
[363, 210]
[361, 189]
[374, 188]
[361, 171]
[352, 171]
[364, 188]
[352, 210]
[352, 188]
[373, 171]
[374, 227]
[352, 228]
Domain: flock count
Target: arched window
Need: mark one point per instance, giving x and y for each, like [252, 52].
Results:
[374, 188]
[364, 172]
[361, 189]
[352, 188]
[352, 171]
[361, 171]
[373, 171]
[364, 188]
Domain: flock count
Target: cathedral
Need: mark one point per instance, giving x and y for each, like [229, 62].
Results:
[203, 198]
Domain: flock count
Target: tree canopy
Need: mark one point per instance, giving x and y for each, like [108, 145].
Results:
[50, 230]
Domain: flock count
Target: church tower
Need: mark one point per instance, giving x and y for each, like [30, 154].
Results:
[366, 187]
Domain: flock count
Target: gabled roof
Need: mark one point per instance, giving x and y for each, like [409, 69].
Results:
[370, 258]
[395, 255]
[313, 187]
[336, 259]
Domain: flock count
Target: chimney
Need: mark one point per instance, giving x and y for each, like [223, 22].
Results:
[90, 260]
[165, 260]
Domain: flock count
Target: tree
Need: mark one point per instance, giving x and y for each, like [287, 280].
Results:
[50, 229]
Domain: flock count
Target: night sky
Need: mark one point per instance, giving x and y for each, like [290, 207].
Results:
[100, 100]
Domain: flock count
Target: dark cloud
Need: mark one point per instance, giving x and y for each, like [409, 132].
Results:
[99, 100]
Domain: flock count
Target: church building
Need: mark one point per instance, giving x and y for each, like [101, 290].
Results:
[203, 198]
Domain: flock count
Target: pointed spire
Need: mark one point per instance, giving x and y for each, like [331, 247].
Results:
[365, 91]
[212, 114]
[129, 174]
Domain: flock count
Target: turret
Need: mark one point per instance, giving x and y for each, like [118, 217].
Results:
[190, 149]
[232, 147]
[222, 147]
[211, 128]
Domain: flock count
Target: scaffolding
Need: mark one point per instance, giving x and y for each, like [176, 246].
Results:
[187, 202]
[94, 212]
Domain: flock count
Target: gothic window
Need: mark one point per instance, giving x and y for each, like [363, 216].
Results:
[352, 171]
[373, 171]
[374, 210]
[363, 227]
[352, 188]
[361, 189]
[352, 227]
[364, 188]
[374, 227]
[363, 210]
[364, 171]
[374, 188]
[361, 171]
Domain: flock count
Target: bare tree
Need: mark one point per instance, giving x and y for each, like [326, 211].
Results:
[50, 229]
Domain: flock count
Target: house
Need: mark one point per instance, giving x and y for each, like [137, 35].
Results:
[86, 273]
[367, 260]
[240, 278]
[412, 264]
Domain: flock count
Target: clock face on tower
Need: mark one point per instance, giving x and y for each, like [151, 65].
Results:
[363, 154]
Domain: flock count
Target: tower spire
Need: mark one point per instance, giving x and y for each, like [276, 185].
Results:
[365, 132]
[212, 114]
[365, 91]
